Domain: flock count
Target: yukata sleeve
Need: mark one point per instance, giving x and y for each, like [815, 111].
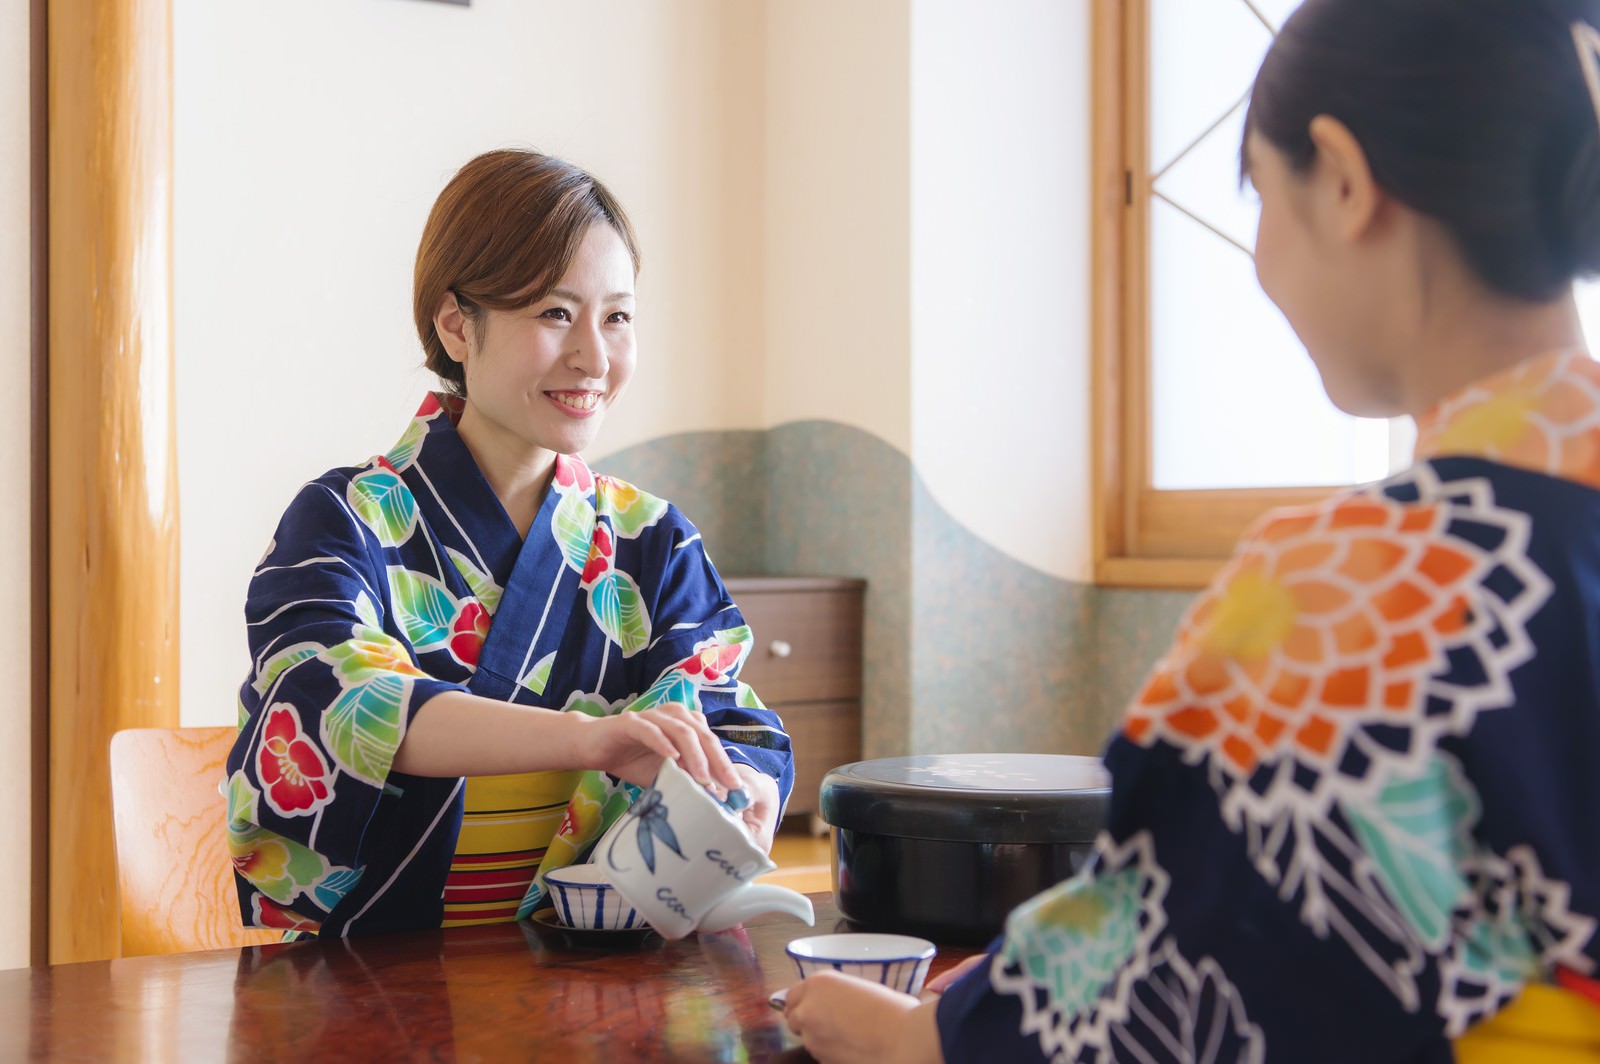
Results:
[699, 642]
[329, 696]
[1293, 866]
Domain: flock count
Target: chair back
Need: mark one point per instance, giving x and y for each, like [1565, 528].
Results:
[174, 874]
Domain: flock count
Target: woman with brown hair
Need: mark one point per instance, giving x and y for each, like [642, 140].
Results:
[1354, 809]
[470, 652]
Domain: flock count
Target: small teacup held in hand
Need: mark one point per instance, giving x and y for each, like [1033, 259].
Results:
[686, 861]
[585, 899]
[899, 962]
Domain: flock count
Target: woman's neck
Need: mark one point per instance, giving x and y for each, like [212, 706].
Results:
[1474, 334]
[517, 472]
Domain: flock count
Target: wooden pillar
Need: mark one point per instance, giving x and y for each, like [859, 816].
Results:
[113, 471]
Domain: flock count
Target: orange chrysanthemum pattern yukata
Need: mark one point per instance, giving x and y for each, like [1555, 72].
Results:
[1355, 806]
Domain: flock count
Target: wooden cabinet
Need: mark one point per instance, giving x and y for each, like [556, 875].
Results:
[806, 665]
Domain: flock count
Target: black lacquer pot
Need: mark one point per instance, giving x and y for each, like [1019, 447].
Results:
[945, 845]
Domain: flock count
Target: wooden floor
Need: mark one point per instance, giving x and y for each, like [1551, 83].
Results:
[802, 858]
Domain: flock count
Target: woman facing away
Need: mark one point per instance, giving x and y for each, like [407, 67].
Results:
[1354, 808]
[471, 652]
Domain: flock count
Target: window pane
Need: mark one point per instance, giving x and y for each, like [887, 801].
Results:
[1235, 401]
[1589, 311]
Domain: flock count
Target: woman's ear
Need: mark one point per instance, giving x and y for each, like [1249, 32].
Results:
[1348, 193]
[452, 325]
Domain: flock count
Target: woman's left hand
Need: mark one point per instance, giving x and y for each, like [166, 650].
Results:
[845, 1020]
[761, 815]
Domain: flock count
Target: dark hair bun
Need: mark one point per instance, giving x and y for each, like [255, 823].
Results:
[1476, 113]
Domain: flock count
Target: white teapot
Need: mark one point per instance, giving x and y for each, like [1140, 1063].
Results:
[686, 862]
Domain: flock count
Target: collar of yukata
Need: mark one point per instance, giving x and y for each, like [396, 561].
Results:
[1542, 414]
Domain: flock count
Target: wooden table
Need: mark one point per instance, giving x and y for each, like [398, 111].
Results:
[501, 992]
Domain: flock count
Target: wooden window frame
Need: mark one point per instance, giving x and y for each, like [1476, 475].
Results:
[1143, 537]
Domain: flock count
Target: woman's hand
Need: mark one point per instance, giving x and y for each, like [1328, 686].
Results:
[761, 815]
[941, 982]
[631, 746]
[845, 1020]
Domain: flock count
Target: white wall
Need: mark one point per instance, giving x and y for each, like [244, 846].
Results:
[873, 213]
[311, 138]
[837, 220]
[1000, 272]
[16, 698]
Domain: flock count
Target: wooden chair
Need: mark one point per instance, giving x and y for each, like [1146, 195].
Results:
[173, 871]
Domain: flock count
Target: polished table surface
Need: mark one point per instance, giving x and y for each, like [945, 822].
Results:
[501, 992]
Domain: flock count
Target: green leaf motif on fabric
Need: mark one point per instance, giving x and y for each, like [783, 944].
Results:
[618, 608]
[280, 661]
[1416, 832]
[572, 525]
[405, 451]
[366, 611]
[423, 607]
[368, 652]
[631, 510]
[1499, 952]
[242, 801]
[592, 704]
[538, 677]
[363, 727]
[670, 686]
[385, 505]
[1082, 934]
[484, 589]
[746, 698]
[243, 715]
[278, 867]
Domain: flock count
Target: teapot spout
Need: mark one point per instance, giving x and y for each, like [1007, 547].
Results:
[752, 901]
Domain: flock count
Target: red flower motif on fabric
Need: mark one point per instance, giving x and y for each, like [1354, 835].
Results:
[1327, 619]
[572, 473]
[268, 913]
[712, 662]
[601, 550]
[471, 628]
[430, 405]
[292, 772]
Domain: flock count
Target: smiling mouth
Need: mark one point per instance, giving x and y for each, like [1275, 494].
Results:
[576, 400]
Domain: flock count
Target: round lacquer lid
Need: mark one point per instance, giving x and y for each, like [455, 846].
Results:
[992, 798]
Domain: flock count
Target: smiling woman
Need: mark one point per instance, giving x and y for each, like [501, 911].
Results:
[475, 602]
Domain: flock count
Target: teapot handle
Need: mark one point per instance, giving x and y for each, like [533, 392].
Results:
[753, 900]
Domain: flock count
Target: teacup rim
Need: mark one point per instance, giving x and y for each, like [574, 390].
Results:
[915, 949]
[577, 875]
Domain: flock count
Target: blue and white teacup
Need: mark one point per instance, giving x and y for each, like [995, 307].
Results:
[685, 860]
[899, 962]
[584, 898]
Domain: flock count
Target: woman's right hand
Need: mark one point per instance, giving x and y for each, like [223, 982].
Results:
[631, 746]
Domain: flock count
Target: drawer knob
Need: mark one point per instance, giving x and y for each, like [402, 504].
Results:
[780, 648]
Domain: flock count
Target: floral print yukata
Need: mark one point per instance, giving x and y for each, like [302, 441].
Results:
[392, 582]
[1356, 807]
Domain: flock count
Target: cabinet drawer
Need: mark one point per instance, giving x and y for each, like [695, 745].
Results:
[807, 640]
[825, 735]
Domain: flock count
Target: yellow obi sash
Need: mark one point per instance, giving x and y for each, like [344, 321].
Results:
[1545, 1025]
[506, 827]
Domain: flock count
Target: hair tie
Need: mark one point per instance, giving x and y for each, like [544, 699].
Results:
[1587, 39]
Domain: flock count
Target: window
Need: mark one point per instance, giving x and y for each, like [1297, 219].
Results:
[1208, 411]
